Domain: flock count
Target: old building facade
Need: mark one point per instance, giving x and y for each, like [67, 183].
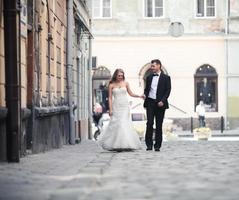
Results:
[197, 42]
[3, 109]
[52, 44]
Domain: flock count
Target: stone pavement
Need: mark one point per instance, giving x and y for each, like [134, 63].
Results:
[183, 170]
[215, 133]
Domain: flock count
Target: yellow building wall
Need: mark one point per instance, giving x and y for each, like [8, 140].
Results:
[2, 64]
[23, 72]
[233, 106]
[23, 54]
[57, 52]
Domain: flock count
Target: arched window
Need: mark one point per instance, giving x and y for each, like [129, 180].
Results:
[100, 80]
[145, 71]
[206, 87]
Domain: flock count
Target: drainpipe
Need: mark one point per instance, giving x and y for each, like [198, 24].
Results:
[90, 86]
[226, 58]
[49, 39]
[227, 17]
[38, 28]
[1, 7]
[69, 60]
[12, 76]
[19, 6]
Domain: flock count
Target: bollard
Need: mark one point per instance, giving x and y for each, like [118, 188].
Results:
[222, 124]
[191, 124]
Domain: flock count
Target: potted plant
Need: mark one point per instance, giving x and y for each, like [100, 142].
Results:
[168, 133]
[202, 133]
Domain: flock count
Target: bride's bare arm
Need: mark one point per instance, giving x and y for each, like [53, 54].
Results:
[110, 99]
[130, 92]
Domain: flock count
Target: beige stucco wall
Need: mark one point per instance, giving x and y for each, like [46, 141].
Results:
[234, 16]
[180, 57]
[129, 40]
[233, 80]
[128, 19]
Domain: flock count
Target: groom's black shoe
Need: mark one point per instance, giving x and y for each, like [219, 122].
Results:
[157, 149]
[149, 149]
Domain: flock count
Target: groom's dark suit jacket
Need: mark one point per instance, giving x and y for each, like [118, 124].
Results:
[163, 89]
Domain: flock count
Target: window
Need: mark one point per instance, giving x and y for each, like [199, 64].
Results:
[206, 87]
[100, 81]
[205, 8]
[101, 8]
[94, 62]
[153, 8]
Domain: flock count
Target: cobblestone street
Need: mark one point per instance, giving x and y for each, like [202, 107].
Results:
[183, 170]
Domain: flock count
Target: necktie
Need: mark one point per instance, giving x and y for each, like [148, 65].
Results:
[155, 74]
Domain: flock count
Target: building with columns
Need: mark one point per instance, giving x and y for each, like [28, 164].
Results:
[197, 42]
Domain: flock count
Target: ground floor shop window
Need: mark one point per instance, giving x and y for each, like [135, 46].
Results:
[206, 87]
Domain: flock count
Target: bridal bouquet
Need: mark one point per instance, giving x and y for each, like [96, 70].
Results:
[202, 133]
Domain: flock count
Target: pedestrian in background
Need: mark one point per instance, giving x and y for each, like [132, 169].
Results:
[200, 110]
[97, 113]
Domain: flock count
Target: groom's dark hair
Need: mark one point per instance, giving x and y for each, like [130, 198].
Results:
[157, 61]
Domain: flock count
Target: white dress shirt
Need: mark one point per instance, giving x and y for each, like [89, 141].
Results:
[200, 109]
[154, 86]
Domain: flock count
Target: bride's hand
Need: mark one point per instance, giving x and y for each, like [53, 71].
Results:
[142, 96]
[110, 113]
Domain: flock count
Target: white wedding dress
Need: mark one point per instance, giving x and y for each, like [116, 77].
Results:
[119, 134]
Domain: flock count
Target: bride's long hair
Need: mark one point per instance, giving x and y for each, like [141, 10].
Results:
[114, 77]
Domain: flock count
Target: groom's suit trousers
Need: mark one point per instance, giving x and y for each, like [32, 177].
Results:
[157, 113]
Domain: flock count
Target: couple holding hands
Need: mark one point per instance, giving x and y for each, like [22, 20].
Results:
[120, 135]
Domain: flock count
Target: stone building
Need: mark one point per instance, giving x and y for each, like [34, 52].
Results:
[51, 69]
[197, 42]
[81, 69]
[3, 109]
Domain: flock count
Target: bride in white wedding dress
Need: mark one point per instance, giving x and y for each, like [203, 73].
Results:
[119, 135]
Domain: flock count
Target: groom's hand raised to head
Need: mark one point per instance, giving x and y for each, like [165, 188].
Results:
[160, 104]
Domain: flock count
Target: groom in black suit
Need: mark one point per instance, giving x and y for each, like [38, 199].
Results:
[156, 92]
